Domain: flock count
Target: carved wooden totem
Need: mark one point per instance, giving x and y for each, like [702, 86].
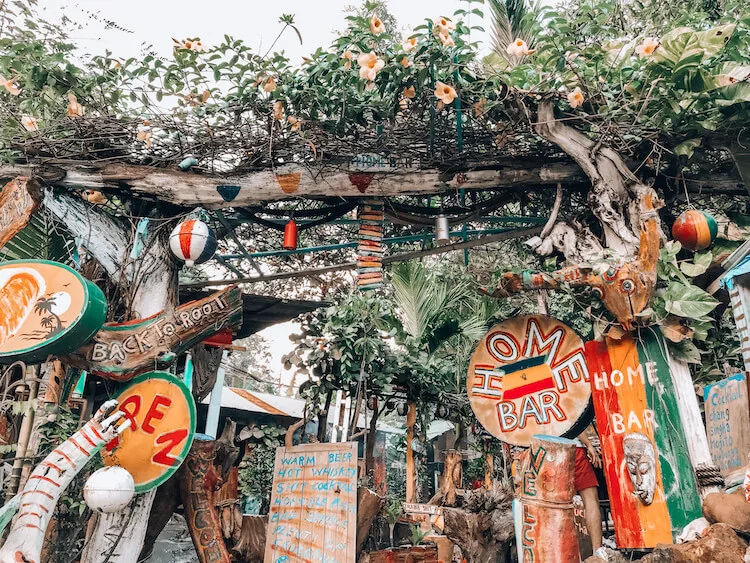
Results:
[548, 530]
[200, 481]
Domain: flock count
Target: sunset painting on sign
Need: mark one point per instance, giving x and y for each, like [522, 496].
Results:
[46, 308]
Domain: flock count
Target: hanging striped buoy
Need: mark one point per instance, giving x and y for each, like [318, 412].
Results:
[370, 249]
[193, 242]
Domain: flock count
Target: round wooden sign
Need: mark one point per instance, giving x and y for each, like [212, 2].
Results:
[161, 411]
[528, 375]
[46, 308]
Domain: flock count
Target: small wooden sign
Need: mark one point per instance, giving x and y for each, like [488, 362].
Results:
[379, 163]
[120, 351]
[650, 479]
[728, 425]
[19, 200]
[46, 309]
[528, 375]
[313, 513]
[429, 516]
[161, 411]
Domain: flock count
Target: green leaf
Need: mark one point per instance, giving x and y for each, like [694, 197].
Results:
[688, 301]
[685, 351]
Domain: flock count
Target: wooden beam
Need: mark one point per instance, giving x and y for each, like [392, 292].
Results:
[190, 189]
[517, 233]
[292, 180]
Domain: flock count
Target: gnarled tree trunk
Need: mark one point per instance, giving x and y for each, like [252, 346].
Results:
[615, 191]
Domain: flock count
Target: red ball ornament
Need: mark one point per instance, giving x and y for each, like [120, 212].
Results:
[695, 230]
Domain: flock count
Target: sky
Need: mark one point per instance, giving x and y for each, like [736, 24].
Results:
[256, 22]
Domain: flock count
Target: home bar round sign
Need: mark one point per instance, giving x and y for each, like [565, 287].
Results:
[528, 375]
[161, 412]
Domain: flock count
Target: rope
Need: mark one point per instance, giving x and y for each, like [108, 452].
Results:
[708, 475]
[546, 503]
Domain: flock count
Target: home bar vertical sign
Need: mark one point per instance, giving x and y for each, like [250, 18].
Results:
[651, 483]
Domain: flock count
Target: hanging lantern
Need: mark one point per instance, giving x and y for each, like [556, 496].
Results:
[193, 242]
[695, 230]
[109, 489]
[442, 230]
[290, 236]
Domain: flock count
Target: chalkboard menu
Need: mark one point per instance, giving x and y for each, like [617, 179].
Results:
[728, 425]
[313, 513]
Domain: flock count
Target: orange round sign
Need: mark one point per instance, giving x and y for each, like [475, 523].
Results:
[161, 412]
[528, 375]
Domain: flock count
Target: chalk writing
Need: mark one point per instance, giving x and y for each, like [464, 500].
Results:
[728, 424]
[313, 511]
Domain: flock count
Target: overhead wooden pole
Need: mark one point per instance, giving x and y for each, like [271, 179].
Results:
[292, 180]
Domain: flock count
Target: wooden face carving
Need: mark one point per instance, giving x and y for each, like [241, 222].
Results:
[625, 292]
[640, 461]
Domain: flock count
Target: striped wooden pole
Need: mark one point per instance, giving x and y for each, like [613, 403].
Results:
[740, 299]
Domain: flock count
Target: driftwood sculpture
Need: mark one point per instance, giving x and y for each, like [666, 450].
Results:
[625, 290]
[49, 480]
[483, 527]
[198, 487]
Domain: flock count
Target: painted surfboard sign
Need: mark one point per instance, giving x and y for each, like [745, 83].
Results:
[46, 308]
[528, 375]
[19, 200]
[651, 483]
[161, 411]
[728, 425]
[120, 351]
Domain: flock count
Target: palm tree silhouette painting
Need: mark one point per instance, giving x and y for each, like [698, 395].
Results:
[50, 321]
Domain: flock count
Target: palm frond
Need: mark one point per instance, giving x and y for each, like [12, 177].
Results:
[511, 20]
[41, 239]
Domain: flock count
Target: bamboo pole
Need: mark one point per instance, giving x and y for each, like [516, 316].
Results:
[516, 233]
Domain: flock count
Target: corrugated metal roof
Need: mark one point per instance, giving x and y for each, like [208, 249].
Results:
[264, 403]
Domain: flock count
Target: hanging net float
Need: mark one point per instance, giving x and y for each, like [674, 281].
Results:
[193, 242]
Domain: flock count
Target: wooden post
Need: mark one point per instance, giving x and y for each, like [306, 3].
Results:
[214, 405]
[548, 531]
[118, 536]
[198, 488]
[489, 471]
[411, 470]
[707, 474]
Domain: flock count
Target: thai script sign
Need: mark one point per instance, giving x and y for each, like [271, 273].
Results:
[313, 513]
[120, 351]
[650, 479]
[528, 375]
[46, 309]
[161, 412]
[728, 425]
[19, 200]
